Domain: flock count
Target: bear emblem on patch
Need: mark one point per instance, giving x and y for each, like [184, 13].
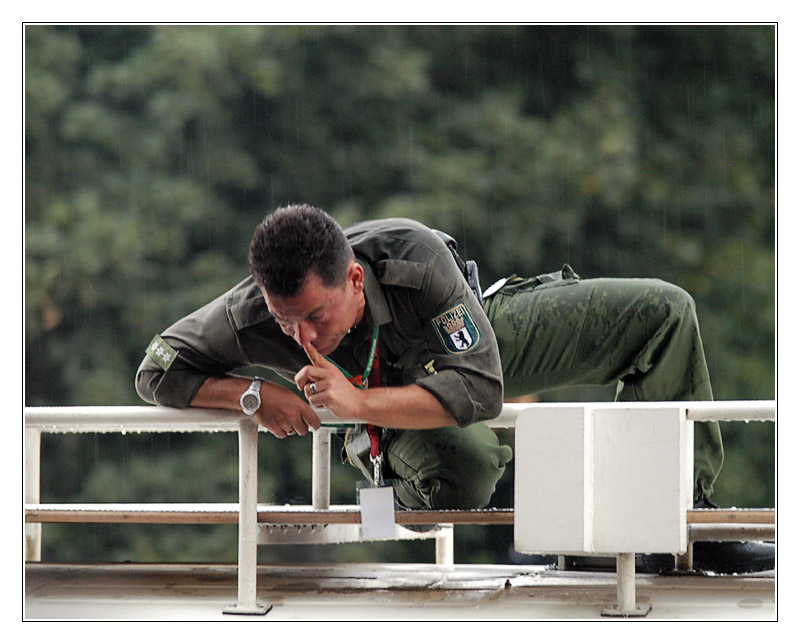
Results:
[457, 330]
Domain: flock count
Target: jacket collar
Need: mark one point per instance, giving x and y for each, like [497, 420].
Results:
[377, 306]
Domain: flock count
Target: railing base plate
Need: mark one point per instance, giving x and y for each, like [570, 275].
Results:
[258, 609]
[640, 611]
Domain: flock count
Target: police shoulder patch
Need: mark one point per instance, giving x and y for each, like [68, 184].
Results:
[163, 354]
[457, 329]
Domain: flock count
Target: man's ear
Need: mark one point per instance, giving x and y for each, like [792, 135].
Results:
[355, 276]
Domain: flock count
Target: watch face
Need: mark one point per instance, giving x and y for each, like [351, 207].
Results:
[250, 403]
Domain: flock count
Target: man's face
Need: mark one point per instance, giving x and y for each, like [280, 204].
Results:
[321, 315]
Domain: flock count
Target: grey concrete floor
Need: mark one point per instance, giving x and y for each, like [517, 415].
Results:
[366, 592]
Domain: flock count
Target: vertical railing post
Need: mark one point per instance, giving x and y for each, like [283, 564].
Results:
[321, 469]
[626, 582]
[626, 589]
[248, 523]
[33, 531]
[684, 562]
[445, 546]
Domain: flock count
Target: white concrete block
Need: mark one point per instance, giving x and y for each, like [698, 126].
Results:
[638, 500]
[550, 480]
[602, 479]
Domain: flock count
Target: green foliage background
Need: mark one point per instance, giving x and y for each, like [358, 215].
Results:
[152, 151]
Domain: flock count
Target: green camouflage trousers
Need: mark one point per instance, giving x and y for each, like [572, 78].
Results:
[555, 331]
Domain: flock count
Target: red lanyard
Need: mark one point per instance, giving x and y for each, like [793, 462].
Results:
[374, 380]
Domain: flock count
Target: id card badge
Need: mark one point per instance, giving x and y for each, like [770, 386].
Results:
[377, 510]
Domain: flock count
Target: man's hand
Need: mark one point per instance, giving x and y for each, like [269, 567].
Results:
[407, 407]
[325, 386]
[282, 412]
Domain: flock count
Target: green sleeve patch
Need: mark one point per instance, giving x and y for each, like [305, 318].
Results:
[457, 330]
[163, 354]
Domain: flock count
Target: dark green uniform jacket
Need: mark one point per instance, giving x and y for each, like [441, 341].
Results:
[433, 331]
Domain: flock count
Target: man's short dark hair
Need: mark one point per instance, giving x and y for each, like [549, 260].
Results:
[293, 242]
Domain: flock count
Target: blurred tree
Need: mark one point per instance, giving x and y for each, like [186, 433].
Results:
[152, 151]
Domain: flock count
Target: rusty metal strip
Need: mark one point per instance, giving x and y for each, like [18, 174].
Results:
[118, 514]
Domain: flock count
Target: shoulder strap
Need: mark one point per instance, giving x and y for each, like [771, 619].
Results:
[469, 268]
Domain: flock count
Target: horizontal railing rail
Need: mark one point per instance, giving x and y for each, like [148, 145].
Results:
[162, 419]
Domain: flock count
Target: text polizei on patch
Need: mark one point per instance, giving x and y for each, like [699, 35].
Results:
[457, 330]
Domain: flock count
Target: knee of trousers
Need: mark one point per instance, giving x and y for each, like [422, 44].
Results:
[434, 471]
[435, 492]
[470, 493]
[669, 307]
[678, 302]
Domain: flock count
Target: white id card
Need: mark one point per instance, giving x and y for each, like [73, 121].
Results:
[377, 512]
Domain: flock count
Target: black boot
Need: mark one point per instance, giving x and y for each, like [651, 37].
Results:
[730, 557]
[722, 557]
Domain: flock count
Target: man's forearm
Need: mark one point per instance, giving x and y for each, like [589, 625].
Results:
[410, 407]
[221, 393]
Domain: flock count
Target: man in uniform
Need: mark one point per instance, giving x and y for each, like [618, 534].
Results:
[378, 323]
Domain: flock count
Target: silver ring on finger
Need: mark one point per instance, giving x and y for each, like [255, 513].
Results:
[313, 388]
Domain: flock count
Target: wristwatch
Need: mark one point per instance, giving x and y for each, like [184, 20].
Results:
[251, 399]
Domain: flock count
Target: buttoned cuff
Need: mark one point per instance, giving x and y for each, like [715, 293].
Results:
[168, 388]
[467, 401]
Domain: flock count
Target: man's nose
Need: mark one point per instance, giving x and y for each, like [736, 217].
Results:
[303, 333]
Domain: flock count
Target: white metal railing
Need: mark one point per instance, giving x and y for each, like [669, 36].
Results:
[39, 420]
